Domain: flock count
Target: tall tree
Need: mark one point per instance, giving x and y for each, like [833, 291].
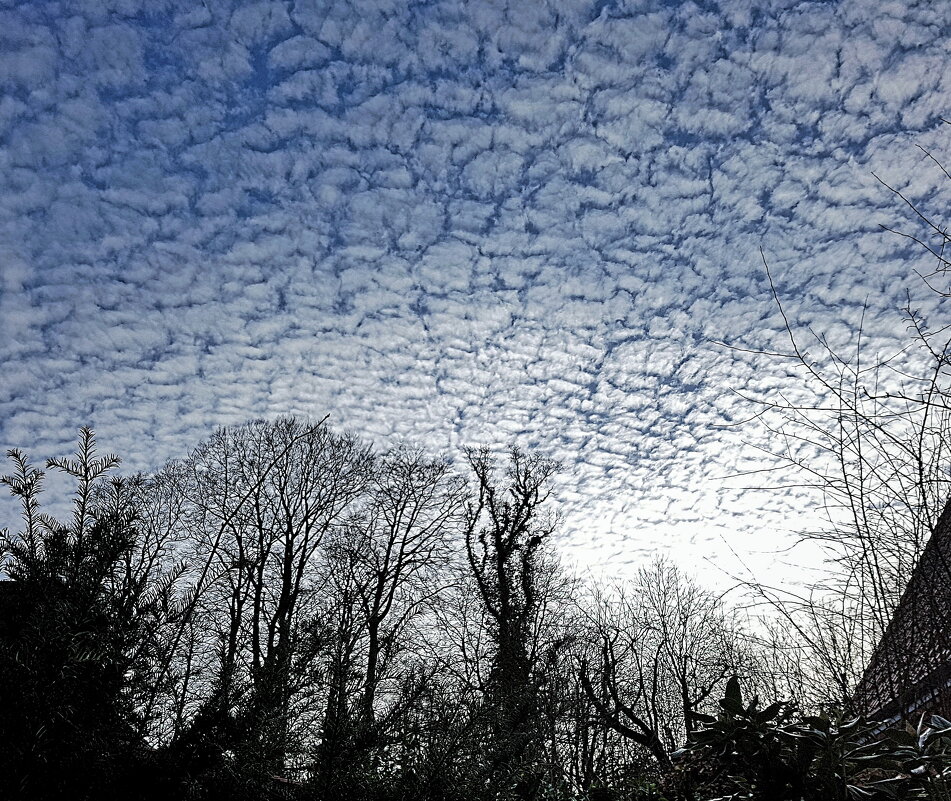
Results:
[78, 614]
[389, 562]
[259, 501]
[506, 527]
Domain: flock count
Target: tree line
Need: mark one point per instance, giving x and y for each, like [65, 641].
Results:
[291, 612]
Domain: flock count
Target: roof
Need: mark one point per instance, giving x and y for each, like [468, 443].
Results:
[910, 669]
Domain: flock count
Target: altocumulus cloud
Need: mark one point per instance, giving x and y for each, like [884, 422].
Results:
[456, 223]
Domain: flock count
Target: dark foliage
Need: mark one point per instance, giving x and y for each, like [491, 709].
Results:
[778, 754]
[320, 639]
[67, 643]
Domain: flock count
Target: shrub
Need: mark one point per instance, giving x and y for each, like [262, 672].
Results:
[749, 753]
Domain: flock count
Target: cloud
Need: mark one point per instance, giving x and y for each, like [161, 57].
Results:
[456, 223]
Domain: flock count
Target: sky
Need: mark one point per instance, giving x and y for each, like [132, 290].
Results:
[463, 223]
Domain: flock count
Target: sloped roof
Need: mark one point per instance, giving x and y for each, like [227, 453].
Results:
[910, 669]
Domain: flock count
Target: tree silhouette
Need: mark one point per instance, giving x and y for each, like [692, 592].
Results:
[68, 644]
[505, 528]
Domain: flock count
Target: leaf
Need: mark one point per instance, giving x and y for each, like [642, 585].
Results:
[770, 713]
[821, 724]
[732, 700]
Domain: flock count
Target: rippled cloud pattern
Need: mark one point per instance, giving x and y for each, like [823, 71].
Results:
[457, 223]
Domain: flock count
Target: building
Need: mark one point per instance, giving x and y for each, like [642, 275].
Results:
[910, 670]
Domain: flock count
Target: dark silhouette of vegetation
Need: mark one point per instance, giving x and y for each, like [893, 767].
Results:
[777, 753]
[504, 536]
[76, 640]
[288, 613]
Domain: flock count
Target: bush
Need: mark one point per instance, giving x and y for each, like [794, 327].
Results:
[748, 753]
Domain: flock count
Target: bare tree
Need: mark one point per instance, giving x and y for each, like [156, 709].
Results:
[870, 433]
[660, 649]
[259, 502]
[400, 542]
[874, 444]
[389, 562]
